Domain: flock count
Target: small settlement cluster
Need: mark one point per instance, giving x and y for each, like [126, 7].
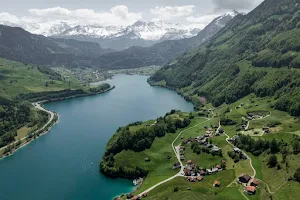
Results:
[250, 184]
[203, 141]
[193, 173]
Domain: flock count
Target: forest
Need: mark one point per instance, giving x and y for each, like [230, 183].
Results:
[15, 115]
[255, 53]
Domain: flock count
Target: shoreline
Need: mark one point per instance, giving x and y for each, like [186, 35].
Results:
[45, 132]
[54, 119]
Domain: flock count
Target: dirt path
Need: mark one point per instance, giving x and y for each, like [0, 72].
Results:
[268, 188]
[37, 106]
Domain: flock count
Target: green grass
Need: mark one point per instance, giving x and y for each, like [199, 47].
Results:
[198, 190]
[160, 166]
[16, 78]
[23, 132]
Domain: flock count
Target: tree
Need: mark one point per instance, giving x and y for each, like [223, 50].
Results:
[297, 175]
[296, 146]
[272, 161]
[46, 84]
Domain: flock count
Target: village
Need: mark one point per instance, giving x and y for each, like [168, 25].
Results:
[194, 173]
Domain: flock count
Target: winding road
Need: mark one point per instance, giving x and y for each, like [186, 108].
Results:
[181, 174]
[176, 151]
[36, 105]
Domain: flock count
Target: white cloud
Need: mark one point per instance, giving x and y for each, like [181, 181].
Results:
[118, 16]
[169, 12]
[201, 19]
[8, 17]
[245, 5]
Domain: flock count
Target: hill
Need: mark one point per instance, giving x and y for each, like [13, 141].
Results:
[21, 84]
[254, 53]
[19, 45]
[161, 53]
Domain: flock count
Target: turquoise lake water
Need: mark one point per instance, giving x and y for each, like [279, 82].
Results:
[64, 164]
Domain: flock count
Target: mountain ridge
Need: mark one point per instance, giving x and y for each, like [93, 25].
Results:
[254, 53]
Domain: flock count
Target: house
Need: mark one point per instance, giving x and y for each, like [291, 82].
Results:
[135, 198]
[217, 184]
[182, 158]
[189, 162]
[219, 167]
[251, 189]
[147, 160]
[129, 196]
[202, 173]
[209, 145]
[253, 182]
[237, 150]
[176, 166]
[182, 148]
[145, 194]
[215, 149]
[199, 178]
[244, 178]
[207, 133]
[187, 172]
[209, 171]
[191, 179]
[266, 129]
[181, 152]
[235, 137]
[244, 127]
[221, 131]
[224, 162]
[214, 170]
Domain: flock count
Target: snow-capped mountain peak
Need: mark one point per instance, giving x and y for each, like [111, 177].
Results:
[153, 31]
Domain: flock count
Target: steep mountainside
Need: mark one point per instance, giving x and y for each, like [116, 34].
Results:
[20, 45]
[256, 53]
[163, 52]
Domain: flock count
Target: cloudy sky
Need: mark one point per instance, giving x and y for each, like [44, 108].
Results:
[120, 12]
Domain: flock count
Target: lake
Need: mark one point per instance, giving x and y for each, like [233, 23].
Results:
[64, 164]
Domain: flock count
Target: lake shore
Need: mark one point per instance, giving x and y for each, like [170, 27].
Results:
[54, 119]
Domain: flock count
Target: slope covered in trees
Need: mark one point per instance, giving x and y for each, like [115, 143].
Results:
[255, 53]
[19, 45]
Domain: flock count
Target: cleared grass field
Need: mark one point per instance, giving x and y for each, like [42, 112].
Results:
[198, 190]
[16, 78]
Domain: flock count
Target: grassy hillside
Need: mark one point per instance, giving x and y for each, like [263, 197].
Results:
[17, 78]
[21, 84]
[256, 53]
[275, 182]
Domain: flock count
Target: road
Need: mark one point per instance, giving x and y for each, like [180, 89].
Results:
[37, 105]
[176, 151]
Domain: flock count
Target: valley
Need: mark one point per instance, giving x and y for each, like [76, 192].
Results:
[162, 104]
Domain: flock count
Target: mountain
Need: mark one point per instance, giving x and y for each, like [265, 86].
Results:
[160, 53]
[19, 45]
[45, 29]
[139, 34]
[113, 37]
[255, 53]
